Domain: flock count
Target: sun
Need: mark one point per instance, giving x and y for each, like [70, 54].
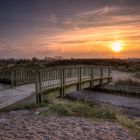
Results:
[116, 46]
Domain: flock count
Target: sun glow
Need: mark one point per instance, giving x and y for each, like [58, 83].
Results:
[116, 46]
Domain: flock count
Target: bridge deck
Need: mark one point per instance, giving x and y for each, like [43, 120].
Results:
[54, 81]
[16, 94]
[13, 95]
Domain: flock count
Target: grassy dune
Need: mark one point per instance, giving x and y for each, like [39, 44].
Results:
[96, 112]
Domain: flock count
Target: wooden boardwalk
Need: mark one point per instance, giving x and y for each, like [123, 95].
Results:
[16, 94]
[36, 87]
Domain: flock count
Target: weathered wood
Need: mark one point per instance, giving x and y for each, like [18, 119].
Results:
[101, 75]
[79, 79]
[61, 78]
[92, 76]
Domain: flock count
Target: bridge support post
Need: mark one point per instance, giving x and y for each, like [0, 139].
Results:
[79, 79]
[13, 78]
[109, 74]
[101, 76]
[62, 80]
[39, 95]
[91, 76]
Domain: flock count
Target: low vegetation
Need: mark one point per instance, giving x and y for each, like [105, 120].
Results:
[78, 109]
[127, 82]
[96, 112]
[131, 124]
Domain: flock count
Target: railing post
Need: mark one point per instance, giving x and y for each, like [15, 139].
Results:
[101, 75]
[62, 80]
[13, 78]
[40, 81]
[79, 79]
[109, 74]
[91, 76]
[38, 84]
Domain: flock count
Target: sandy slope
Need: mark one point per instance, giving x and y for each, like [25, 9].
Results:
[23, 125]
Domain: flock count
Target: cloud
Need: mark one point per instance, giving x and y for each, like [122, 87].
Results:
[96, 12]
[53, 18]
[82, 30]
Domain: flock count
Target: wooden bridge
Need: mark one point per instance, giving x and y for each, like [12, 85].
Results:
[39, 85]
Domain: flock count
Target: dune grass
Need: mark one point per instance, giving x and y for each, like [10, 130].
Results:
[96, 112]
[78, 109]
[131, 124]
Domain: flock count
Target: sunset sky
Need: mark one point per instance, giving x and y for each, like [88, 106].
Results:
[69, 28]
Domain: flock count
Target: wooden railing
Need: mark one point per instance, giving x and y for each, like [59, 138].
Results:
[47, 78]
[61, 80]
[57, 76]
[22, 76]
[63, 76]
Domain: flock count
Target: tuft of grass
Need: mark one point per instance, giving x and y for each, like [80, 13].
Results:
[78, 109]
[84, 109]
[132, 125]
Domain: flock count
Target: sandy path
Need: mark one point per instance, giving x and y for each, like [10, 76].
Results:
[23, 125]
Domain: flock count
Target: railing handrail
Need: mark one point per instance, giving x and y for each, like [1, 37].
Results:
[66, 67]
[81, 73]
[27, 75]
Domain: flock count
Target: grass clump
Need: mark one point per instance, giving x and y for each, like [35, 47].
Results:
[78, 109]
[60, 109]
[132, 125]
[86, 110]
